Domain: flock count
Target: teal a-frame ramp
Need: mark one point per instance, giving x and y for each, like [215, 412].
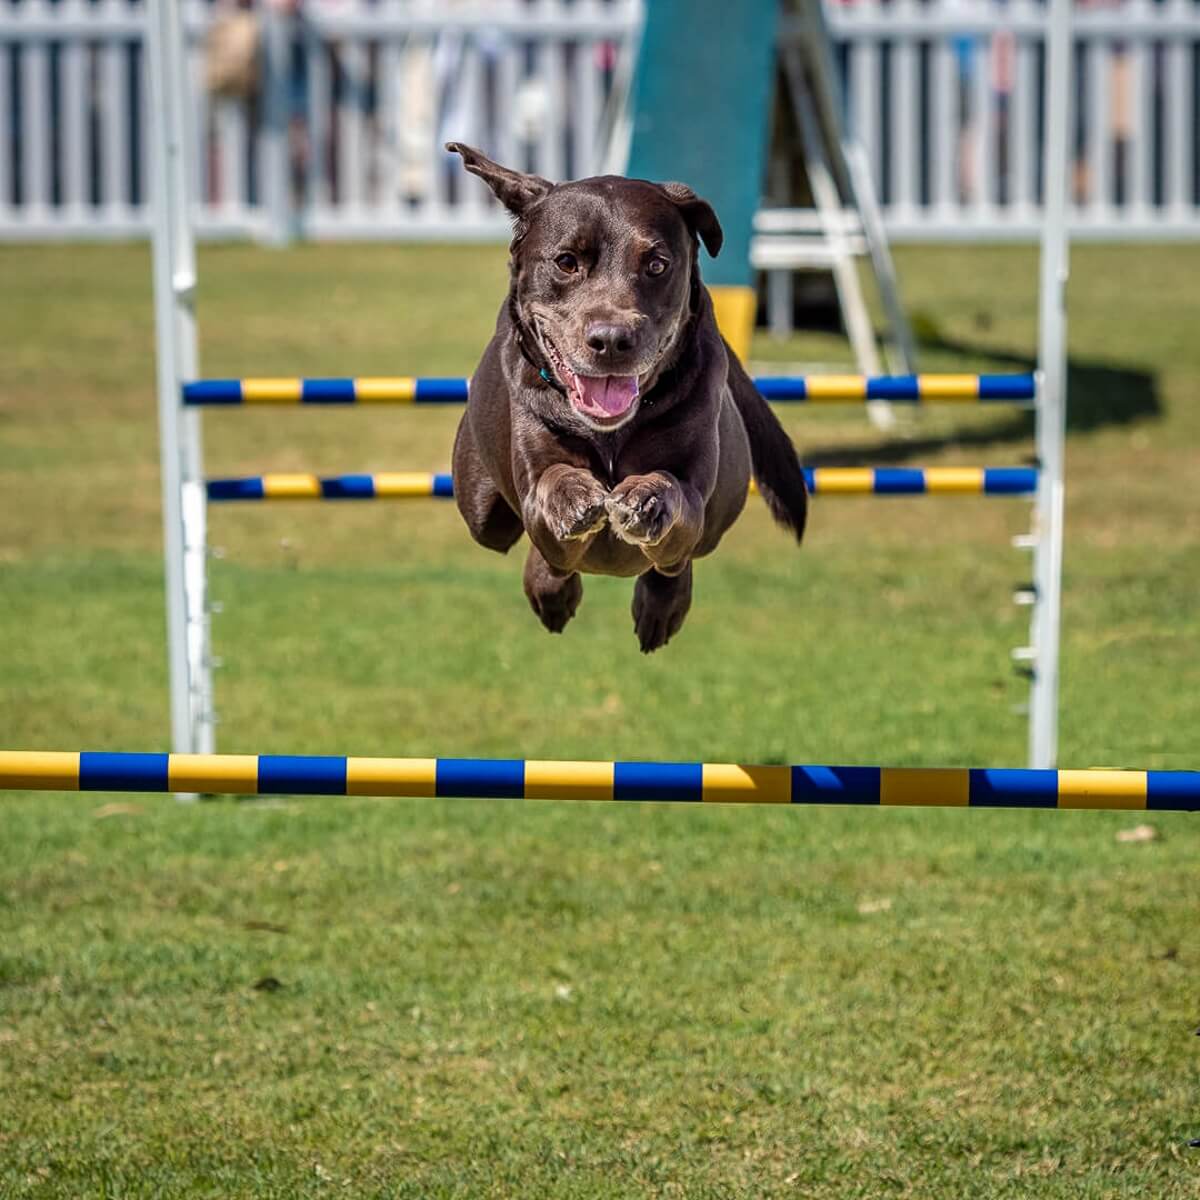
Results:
[701, 113]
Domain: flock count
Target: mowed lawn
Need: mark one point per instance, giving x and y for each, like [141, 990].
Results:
[311, 997]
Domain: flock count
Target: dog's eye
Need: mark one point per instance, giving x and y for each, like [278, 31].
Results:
[657, 266]
[568, 264]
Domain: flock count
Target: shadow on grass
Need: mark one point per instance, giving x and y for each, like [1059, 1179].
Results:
[1099, 395]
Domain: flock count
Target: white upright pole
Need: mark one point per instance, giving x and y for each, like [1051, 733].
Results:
[184, 535]
[1052, 396]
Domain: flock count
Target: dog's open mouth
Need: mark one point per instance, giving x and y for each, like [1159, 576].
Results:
[603, 399]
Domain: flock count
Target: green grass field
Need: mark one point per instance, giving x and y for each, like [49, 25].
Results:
[464, 998]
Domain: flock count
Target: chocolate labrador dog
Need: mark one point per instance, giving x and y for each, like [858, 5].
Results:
[607, 418]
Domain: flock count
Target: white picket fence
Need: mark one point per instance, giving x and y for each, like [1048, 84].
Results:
[343, 137]
[946, 99]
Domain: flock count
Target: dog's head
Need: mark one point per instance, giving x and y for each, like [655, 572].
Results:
[604, 272]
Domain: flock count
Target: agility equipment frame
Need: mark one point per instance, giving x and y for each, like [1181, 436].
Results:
[181, 393]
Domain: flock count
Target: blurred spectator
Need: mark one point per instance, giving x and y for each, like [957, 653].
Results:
[1120, 131]
[435, 102]
[231, 53]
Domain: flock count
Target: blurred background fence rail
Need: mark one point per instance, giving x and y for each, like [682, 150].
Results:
[325, 118]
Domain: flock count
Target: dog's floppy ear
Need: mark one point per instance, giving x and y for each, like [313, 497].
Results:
[514, 189]
[698, 214]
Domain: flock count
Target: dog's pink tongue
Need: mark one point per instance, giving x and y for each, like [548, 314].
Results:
[611, 393]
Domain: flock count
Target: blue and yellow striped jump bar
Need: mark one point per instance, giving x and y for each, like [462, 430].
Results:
[407, 389]
[687, 783]
[396, 389]
[386, 485]
[822, 481]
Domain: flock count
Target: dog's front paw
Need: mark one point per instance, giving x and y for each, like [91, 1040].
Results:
[575, 508]
[643, 509]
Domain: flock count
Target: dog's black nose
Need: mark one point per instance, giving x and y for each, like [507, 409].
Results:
[610, 339]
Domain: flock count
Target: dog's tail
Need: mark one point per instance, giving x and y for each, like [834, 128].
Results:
[773, 458]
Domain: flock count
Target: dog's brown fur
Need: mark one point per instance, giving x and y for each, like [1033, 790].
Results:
[605, 281]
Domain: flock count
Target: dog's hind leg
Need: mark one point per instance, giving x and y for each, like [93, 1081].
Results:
[660, 603]
[488, 515]
[552, 595]
[491, 522]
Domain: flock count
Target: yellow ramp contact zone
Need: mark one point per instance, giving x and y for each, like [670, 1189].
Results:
[734, 308]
